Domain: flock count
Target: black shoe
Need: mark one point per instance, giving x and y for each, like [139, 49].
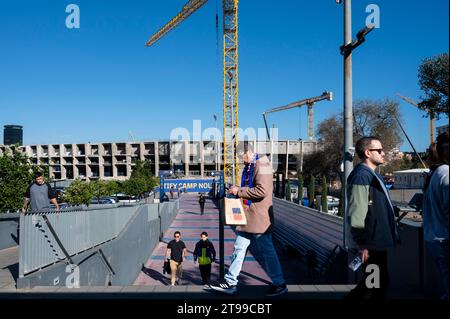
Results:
[276, 290]
[224, 287]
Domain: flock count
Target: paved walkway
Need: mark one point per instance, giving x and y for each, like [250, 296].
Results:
[9, 266]
[191, 223]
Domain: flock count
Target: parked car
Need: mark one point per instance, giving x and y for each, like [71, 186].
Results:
[127, 199]
[108, 200]
[103, 200]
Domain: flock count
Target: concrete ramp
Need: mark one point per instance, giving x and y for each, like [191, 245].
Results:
[191, 224]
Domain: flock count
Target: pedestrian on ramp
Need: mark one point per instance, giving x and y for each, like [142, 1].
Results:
[206, 254]
[176, 254]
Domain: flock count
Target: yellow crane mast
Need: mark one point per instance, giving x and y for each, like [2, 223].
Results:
[230, 77]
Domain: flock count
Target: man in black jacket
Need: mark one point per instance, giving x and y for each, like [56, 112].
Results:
[371, 227]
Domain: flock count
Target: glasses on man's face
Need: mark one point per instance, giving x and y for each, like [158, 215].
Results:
[379, 150]
[177, 236]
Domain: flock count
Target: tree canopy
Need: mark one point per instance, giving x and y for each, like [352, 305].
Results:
[16, 173]
[79, 192]
[433, 80]
[370, 118]
[141, 180]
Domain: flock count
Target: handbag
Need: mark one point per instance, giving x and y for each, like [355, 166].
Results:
[234, 212]
[166, 267]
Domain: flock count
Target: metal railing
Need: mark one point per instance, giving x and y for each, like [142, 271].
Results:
[167, 212]
[307, 230]
[48, 237]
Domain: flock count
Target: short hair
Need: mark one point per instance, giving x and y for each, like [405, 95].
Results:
[204, 233]
[37, 174]
[248, 147]
[432, 156]
[442, 142]
[177, 232]
[363, 144]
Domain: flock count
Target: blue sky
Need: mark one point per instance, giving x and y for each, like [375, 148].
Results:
[99, 82]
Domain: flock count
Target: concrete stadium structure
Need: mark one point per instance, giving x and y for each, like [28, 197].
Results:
[115, 160]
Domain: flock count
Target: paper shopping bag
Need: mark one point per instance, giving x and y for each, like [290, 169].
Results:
[234, 212]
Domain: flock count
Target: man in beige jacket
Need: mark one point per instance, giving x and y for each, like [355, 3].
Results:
[256, 193]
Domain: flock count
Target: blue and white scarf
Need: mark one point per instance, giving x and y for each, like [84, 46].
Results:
[247, 177]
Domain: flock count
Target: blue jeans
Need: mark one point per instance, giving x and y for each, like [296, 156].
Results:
[265, 246]
[439, 252]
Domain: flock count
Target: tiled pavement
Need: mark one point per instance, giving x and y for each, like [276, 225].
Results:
[191, 223]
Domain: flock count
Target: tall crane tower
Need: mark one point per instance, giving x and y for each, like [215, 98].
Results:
[230, 77]
[430, 113]
[309, 102]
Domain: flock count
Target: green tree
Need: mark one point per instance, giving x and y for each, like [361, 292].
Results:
[142, 175]
[288, 190]
[16, 173]
[312, 190]
[300, 187]
[433, 80]
[324, 197]
[112, 187]
[135, 186]
[102, 188]
[78, 193]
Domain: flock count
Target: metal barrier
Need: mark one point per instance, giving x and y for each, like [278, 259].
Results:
[309, 231]
[9, 230]
[167, 212]
[48, 237]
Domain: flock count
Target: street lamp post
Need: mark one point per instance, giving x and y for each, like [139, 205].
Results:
[348, 91]
[346, 51]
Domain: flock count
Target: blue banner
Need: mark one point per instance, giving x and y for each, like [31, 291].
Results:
[191, 185]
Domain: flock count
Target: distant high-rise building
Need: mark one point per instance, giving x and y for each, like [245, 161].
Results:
[13, 134]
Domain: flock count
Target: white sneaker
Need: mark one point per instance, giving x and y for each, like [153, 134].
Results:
[224, 287]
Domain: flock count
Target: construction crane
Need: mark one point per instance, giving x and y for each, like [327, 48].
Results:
[428, 111]
[230, 77]
[309, 102]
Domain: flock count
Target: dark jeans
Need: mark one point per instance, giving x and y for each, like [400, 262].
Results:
[439, 252]
[205, 271]
[378, 258]
[202, 207]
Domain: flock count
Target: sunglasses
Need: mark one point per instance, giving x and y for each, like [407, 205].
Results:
[379, 150]
[177, 236]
